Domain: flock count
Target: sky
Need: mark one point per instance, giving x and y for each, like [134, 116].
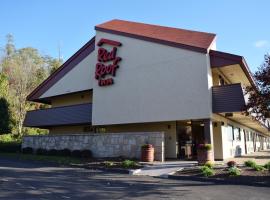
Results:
[242, 26]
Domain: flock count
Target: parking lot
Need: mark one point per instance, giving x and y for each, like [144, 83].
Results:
[32, 180]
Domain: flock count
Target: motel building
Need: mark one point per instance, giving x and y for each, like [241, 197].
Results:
[136, 83]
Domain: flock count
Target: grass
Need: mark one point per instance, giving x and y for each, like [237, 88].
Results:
[64, 160]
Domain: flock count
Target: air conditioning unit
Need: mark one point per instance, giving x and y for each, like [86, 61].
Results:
[238, 151]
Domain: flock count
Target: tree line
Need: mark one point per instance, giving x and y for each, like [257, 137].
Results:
[21, 71]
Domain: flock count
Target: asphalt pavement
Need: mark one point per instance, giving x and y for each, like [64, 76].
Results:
[29, 180]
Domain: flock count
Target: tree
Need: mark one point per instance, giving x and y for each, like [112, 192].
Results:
[22, 71]
[10, 47]
[259, 98]
[5, 116]
[25, 73]
[3, 85]
[53, 63]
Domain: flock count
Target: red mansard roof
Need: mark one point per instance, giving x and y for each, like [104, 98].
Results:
[192, 40]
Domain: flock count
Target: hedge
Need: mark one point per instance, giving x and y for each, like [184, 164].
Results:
[85, 153]
[10, 147]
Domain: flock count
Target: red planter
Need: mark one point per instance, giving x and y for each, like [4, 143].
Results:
[147, 153]
[204, 156]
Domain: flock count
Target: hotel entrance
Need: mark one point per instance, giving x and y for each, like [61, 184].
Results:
[189, 135]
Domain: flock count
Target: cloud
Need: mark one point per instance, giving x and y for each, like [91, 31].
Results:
[261, 43]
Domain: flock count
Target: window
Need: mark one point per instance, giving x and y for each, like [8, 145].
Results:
[237, 134]
[221, 80]
[251, 136]
[100, 130]
[230, 133]
[247, 135]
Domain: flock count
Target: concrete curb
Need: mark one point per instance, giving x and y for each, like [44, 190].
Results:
[110, 170]
[134, 171]
[237, 181]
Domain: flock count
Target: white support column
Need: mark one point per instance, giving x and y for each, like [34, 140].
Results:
[208, 135]
[208, 131]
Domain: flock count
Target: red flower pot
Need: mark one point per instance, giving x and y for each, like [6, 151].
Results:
[204, 156]
[147, 153]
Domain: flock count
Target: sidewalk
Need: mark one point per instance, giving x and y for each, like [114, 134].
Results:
[164, 169]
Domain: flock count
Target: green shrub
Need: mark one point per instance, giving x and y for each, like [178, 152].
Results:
[234, 171]
[52, 152]
[250, 163]
[209, 165]
[76, 153]
[129, 164]
[267, 166]
[109, 163]
[9, 138]
[146, 146]
[259, 168]
[27, 150]
[41, 151]
[206, 171]
[10, 147]
[64, 152]
[86, 153]
[206, 147]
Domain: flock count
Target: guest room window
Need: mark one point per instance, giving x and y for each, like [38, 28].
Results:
[237, 134]
[230, 133]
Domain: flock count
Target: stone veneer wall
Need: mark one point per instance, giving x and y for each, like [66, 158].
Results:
[101, 144]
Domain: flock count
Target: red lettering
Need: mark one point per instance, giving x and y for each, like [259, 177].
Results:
[105, 82]
[105, 56]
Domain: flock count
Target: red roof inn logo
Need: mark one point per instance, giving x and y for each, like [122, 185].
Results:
[105, 56]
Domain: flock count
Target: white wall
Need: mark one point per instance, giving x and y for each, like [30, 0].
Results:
[217, 137]
[153, 83]
[229, 147]
[78, 79]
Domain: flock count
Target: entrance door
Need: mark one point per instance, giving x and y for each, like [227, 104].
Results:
[189, 135]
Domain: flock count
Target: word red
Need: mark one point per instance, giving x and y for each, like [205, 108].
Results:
[107, 56]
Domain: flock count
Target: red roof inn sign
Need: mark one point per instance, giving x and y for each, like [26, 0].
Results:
[107, 62]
